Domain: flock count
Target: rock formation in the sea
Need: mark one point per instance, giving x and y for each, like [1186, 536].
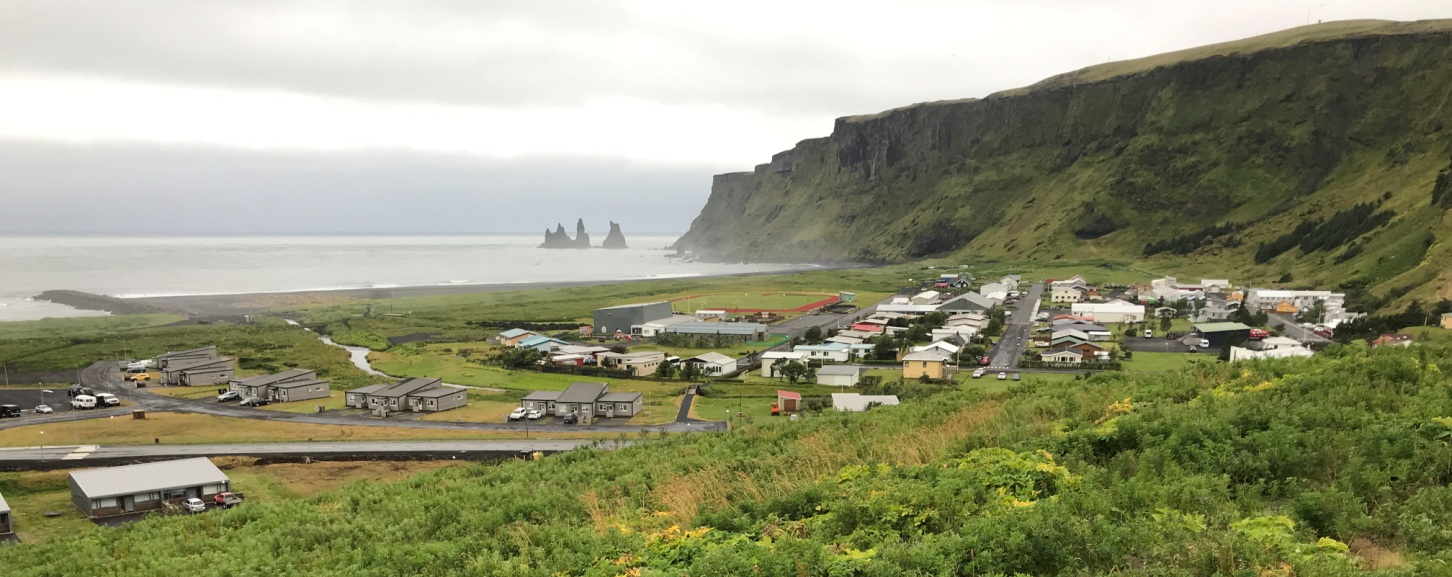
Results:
[582, 238]
[615, 239]
[557, 238]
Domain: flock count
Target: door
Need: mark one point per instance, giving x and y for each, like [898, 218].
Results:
[128, 504]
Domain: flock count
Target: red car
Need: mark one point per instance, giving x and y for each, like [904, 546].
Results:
[984, 361]
[227, 499]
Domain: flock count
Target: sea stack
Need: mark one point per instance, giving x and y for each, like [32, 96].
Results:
[558, 238]
[615, 239]
[582, 238]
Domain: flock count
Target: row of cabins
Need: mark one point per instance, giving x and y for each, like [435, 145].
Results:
[419, 394]
[586, 400]
[286, 386]
[196, 368]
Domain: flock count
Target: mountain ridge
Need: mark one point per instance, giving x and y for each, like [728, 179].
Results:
[1262, 133]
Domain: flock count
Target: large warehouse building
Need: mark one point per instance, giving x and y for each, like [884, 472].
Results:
[621, 318]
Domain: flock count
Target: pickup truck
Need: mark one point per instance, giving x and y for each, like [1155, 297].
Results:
[228, 499]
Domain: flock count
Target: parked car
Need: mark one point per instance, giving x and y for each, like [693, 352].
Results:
[227, 499]
[985, 360]
[9, 411]
[107, 399]
[517, 414]
[978, 374]
[77, 389]
[1204, 343]
[195, 505]
[1149, 334]
[254, 402]
[571, 419]
[1002, 376]
[534, 415]
[139, 377]
[228, 396]
[44, 409]
[83, 402]
[1015, 376]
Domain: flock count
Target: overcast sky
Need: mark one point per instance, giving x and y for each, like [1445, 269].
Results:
[478, 116]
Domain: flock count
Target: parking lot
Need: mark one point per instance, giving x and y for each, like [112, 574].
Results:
[27, 399]
[1156, 345]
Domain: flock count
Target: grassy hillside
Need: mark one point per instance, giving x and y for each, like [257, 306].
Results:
[1336, 465]
[1210, 152]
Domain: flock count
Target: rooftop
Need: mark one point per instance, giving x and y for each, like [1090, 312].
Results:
[619, 397]
[511, 333]
[147, 477]
[928, 355]
[780, 394]
[1220, 327]
[841, 370]
[631, 306]
[275, 377]
[436, 392]
[4, 507]
[583, 392]
[406, 386]
[543, 396]
[712, 357]
[859, 403]
[370, 389]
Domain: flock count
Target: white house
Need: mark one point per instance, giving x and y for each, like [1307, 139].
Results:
[656, 327]
[1215, 284]
[1075, 281]
[771, 358]
[1270, 343]
[1062, 355]
[1011, 281]
[835, 352]
[714, 363]
[708, 314]
[943, 333]
[990, 289]
[857, 403]
[908, 309]
[840, 375]
[845, 340]
[1110, 312]
[926, 298]
[944, 346]
[1065, 294]
[1266, 299]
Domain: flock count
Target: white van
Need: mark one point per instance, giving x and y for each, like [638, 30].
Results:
[83, 402]
[107, 399]
[1149, 334]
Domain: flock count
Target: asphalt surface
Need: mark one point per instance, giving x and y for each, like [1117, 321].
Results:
[1288, 327]
[1017, 331]
[27, 399]
[286, 449]
[103, 376]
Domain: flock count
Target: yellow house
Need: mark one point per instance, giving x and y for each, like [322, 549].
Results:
[932, 363]
[1236, 296]
[1285, 307]
[1447, 320]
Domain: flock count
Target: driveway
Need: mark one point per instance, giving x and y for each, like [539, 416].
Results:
[1288, 327]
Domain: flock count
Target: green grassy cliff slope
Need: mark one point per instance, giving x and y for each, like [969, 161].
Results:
[1251, 138]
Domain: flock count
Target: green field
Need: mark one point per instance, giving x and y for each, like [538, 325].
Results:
[1160, 362]
[82, 327]
[765, 301]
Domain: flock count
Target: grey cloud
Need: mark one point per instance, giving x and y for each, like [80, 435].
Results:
[161, 189]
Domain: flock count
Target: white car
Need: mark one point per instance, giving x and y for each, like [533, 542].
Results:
[1204, 343]
[228, 396]
[535, 415]
[195, 505]
[517, 414]
[1149, 334]
[107, 399]
[1002, 376]
[44, 409]
[83, 402]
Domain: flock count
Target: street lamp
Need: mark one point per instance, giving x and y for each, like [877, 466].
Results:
[42, 395]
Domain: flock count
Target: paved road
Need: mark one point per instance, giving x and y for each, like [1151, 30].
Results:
[80, 454]
[1288, 327]
[104, 376]
[1017, 331]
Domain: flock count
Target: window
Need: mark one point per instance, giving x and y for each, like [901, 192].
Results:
[146, 497]
[623, 407]
[431, 402]
[171, 494]
[103, 503]
[214, 489]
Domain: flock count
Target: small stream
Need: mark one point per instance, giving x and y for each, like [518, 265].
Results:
[359, 356]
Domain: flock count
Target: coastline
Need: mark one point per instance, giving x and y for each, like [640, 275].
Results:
[226, 305]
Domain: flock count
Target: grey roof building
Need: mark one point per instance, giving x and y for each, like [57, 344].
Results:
[969, 301]
[165, 360]
[198, 372]
[289, 385]
[145, 487]
[419, 394]
[751, 330]
[358, 398]
[587, 400]
[6, 527]
[623, 317]
[438, 399]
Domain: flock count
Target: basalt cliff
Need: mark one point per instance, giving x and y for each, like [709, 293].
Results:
[558, 238]
[1323, 151]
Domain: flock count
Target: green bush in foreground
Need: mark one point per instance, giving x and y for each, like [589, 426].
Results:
[1276, 468]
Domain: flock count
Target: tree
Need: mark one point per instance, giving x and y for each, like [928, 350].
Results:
[690, 371]
[813, 335]
[1166, 323]
[793, 371]
[665, 370]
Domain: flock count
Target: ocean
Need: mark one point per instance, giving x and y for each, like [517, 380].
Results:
[135, 266]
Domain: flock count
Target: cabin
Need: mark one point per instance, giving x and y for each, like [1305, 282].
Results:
[637, 364]
[145, 487]
[199, 372]
[840, 375]
[770, 360]
[713, 364]
[788, 401]
[289, 385]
